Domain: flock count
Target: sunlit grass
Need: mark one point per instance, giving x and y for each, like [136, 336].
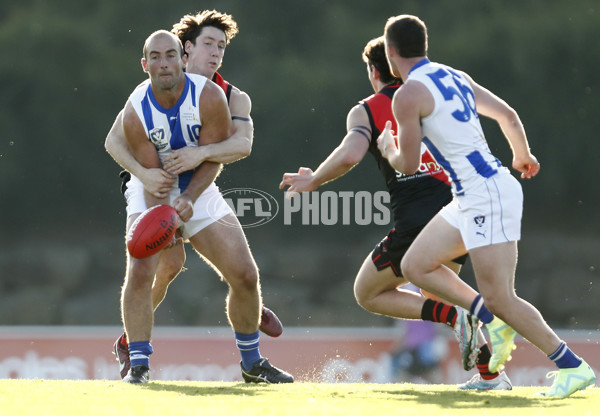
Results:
[52, 397]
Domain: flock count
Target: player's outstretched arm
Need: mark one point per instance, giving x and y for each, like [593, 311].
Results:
[492, 106]
[348, 154]
[239, 145]
[156, 181]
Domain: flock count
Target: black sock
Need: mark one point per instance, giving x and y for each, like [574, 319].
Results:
[435, 311]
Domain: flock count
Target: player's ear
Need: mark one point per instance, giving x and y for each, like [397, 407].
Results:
[187, 46]
[376, 74]
[144, 65]
[390, 51]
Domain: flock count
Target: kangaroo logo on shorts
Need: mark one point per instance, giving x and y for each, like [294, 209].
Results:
[479, 220]
[158, 137]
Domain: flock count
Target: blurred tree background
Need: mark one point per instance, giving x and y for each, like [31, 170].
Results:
[68, 67]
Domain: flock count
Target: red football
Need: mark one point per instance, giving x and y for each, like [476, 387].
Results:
[152, 231]
[270, 323]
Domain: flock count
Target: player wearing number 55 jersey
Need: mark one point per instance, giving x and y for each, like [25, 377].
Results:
[439, 106]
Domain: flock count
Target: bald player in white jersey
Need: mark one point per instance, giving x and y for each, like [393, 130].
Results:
[174, 110]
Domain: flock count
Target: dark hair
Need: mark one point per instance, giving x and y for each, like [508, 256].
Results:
[374, 54]
[407, 34]
[190, 26]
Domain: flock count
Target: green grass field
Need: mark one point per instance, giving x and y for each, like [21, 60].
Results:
[85, 398]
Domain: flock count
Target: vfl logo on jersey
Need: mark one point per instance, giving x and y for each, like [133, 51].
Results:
[158, 137]
[480, 221]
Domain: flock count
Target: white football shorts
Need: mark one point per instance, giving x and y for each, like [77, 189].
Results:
[208, 208]
[490, 213]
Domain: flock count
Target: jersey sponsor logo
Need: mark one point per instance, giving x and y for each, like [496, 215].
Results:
[428, 166]
[158, 137]
[425, 168]
[189, 115]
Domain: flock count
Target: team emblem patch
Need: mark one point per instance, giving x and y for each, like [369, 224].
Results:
[158, 137]
[479, 220]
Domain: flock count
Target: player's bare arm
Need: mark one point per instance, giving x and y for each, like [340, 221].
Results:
[155, 180]
[239, 145]
[492, 106]
[141, 148]
[236, 147]
[216, 127]
[348, 154]
[410, 104]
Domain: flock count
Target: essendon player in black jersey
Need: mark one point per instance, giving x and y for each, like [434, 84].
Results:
[204, 37]
[415, 199]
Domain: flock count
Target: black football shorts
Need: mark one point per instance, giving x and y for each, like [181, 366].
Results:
[389, 251]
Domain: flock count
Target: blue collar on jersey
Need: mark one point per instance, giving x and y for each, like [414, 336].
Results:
[170, 112]
[419, 64]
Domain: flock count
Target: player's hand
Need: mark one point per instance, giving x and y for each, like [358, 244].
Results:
[298, 182]
[386, 142]
[157, 182]
[528, 166]
[184, 207]
[184, 159]
[177, 240]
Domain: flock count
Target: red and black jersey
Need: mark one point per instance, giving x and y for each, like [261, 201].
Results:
[226, 86]
[416, 198]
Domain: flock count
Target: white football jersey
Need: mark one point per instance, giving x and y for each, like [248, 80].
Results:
[171, 128]
[453, 133]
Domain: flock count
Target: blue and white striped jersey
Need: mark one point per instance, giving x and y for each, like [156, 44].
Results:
[171, 128]
[453, 133]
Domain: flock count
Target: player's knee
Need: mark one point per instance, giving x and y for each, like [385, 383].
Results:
[363, 298]
[140, 274]
[245, 279]
[498, 304]
[409, 269]
[493, 305]
[367, 304]
[164, 278]
[169, 268]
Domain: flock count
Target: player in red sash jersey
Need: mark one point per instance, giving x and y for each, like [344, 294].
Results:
[415, 199]
[204, 37]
